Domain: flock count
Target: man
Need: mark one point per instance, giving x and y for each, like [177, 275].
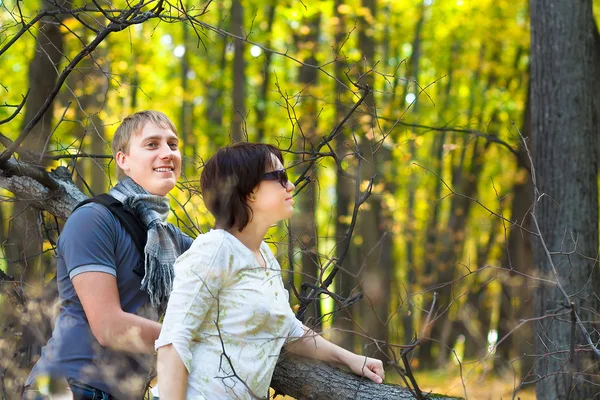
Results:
[103, 339]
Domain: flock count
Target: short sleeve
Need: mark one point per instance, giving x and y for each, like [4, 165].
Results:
[186, 242]
[200, 273]
[88, 241]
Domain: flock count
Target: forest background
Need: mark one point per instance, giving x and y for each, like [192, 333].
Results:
[406, 128]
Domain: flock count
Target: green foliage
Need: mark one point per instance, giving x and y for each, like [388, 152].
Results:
[472, 75]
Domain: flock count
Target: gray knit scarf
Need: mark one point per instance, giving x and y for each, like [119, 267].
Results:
[161, 247]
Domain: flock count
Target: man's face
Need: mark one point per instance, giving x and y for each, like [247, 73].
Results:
[153, 160]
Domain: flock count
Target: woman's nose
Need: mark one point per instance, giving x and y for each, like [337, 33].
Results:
[290, 186]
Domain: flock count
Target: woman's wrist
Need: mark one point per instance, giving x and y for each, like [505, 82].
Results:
[347, 358]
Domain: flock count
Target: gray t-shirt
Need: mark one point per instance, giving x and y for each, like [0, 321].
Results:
[93, 239]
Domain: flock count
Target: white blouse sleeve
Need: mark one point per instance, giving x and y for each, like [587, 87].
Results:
[200, 273]
[296, 329]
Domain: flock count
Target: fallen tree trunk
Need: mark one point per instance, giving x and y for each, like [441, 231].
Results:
[303, 379]
[300, 378]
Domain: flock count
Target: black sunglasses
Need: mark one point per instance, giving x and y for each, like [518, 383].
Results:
[278, 175]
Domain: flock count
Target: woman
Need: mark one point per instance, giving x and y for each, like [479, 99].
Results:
[229, 316]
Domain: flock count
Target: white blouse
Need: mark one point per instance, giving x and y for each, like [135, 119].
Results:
[228, 318]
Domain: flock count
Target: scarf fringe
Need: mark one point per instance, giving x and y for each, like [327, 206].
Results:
[161, 246]
[158, 281]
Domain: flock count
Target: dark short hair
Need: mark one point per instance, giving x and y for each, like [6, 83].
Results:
[229, 177]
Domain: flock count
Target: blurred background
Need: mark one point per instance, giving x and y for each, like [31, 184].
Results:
[413, 199]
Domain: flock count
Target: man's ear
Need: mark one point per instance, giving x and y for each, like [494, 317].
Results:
[121, 159]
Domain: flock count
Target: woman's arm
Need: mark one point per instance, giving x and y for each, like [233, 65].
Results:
[172, 374]
[200, 274]
[314, 346]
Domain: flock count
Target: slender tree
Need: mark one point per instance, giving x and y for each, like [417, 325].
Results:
[372, 257]
[261, 105]
[410, 230]
[238, 95]
[514, 306]
[304, 231]
[186, 118]
[345, 281]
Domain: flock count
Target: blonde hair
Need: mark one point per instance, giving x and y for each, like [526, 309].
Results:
[133, 125]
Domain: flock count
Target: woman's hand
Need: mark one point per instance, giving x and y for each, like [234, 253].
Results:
[368, 367]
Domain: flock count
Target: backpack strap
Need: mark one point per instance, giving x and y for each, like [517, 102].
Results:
[131, 222]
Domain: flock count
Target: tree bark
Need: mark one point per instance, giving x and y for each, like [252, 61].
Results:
[306, 379]
[565, 150]
[29, 188]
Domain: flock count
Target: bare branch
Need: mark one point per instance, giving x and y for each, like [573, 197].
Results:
[17, 111]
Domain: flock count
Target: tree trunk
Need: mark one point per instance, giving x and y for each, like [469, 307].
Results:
[465, 179]
[374, 275]
[451, 246]
[345, 280]
[516, 306]
[304, 232]
[410, 231]
[565, 150]
[186, 124]
[238, 95]
[433, 230]
[214, 90]
[24, 245]
[261, 103]
[95, 90]
[293, 374]
[451, 237]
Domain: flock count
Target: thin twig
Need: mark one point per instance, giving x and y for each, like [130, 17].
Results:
[17, 111]
[572, 366]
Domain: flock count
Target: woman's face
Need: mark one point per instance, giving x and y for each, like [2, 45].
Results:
[270, 199]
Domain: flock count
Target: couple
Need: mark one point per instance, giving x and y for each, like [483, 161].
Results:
[228, 314]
